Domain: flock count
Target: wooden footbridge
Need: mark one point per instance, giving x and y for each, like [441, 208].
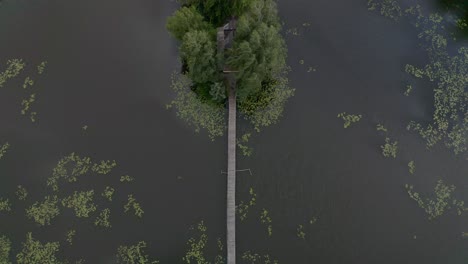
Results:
[225, 39]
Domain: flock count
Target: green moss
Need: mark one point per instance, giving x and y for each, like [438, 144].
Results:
[34, 252]
[134, 254]
[132, 203]
[389, 149]
[81, 203]
[21, 193]
[103, 219]
[108, 193]
[349, 119]
[44, 212]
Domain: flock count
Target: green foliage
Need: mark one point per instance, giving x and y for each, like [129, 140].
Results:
[41, 67]
[21, 193]
[255, 258]
[300, 232]
[134, 254]
[389, 149]
[388, 8]
[13, 69]
[408, 90]
[266, 220]
[108, 192]
[28, 82]
[103, 219]
[126, 178]
[70, 235]
[70, 167]
[436, 206]
[5, 248]
[3, 149]
[197, 247]
[349, 118]
[81, 203]
[185, 20]
[411, 167]
[243, 208]
[132, 203]
[196, 113]
[380, 127]
[5, 205]
[104, 167]
[242, 144]
[34, 252]
[44, 212]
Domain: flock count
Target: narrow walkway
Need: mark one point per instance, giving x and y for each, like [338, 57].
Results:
[224, 38]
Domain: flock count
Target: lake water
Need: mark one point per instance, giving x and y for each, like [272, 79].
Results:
[109, 67]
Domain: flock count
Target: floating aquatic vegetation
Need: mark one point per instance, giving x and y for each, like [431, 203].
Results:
[301, 62]
[28, 82]
[293, 31]
[242, 144]
[21, 193]
[134, 254]
[26, 104]
[34, 252]
[300, 232]
[389, 149]
[306, 24]
[32, 116]
[388, 8]
[5, 248]
[220, 259]
[313, 220]
[108, 192]
[14, 67]
[381, 127]
[411, 167]
[311, 69]
[464, 234]
[196, 113]
[103, 219]
[72, 166]
[266, 219]
[126, 178]
[41, 67]
[81, 203]
[132, 203]
[104, 167]
[3, 149]
[70, 235]
[255, 258]
[349, 119]
[44, 212]
[436, 206]
[243, 208]
[5, 205]
[408, 90]
[195, 253]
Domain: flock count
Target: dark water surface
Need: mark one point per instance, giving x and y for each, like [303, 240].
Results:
[109, 67]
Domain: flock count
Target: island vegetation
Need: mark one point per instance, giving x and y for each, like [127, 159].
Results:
[258, 55]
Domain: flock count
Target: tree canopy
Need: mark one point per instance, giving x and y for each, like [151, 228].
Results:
[258, 54]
